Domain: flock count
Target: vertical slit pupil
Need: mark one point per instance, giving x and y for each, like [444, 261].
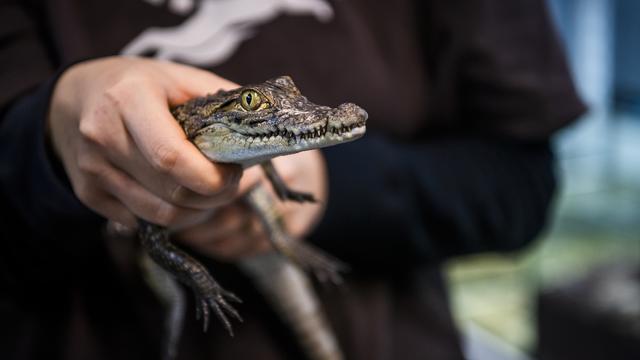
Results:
[248, 98]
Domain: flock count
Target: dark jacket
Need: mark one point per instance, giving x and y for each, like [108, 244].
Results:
[462, 96]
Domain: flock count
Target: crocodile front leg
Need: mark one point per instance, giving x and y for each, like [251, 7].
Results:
[208, 293]
[281, 188]
[322, 265]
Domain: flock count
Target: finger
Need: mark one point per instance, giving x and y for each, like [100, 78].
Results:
[103, 203]
[103, 131]
[230, 234]
[232, 219]
[251, 240]
[165, 146]
[139, 200]
[237, 247]
[112, 209]
[133, 162]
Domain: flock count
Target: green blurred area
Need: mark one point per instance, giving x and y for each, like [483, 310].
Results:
[592, 226]
[597, 214]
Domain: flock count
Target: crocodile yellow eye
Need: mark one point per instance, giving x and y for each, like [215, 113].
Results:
[250, 100]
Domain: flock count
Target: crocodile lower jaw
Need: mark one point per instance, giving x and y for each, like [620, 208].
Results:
[310, 139]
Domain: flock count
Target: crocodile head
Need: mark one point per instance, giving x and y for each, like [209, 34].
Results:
[257, 122]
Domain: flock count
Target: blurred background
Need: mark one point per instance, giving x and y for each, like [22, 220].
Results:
[579, 284]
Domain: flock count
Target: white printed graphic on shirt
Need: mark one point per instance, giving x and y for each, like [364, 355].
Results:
[217, 27]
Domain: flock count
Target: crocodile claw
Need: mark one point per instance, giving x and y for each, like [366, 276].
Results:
[324, 267]
[217, 299]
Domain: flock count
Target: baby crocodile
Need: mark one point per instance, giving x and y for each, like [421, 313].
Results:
[249, 126]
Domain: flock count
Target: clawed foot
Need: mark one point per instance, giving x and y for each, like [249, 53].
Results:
[322, 265]
[218, 300]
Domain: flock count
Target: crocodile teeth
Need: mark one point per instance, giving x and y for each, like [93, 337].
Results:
[311, 135]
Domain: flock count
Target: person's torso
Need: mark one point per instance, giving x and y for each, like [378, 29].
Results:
[336, 51]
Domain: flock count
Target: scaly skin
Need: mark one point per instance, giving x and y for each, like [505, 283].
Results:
[284, 122]
[251, 125]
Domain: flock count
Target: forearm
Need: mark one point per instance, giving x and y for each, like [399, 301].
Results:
[393, 203]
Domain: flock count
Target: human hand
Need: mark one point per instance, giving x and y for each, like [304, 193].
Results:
[124, 153]
[234, 231]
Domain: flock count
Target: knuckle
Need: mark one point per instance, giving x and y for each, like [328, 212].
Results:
[164, 158]
[120, 92]
[90, 131]
[101, 112]
[114, 95]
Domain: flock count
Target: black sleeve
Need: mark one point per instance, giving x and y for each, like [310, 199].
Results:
[25, 62]
[394, 204]
[483, 181]
[43, 226]
[513, 75]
